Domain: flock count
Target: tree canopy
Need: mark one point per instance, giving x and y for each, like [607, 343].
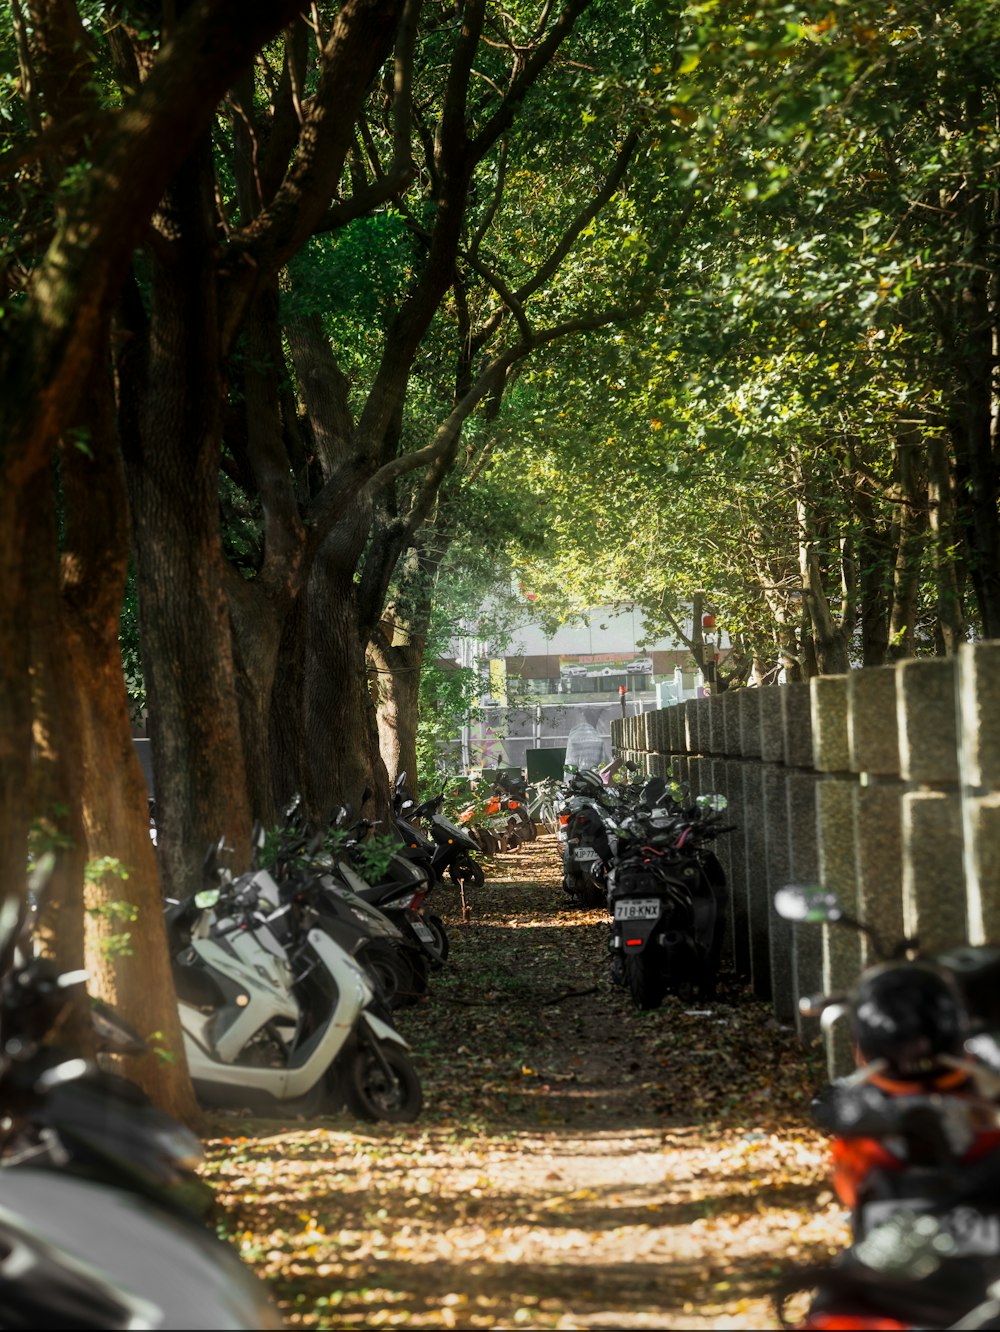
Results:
[319, 320]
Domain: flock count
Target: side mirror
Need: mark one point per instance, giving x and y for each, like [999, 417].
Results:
[207, 898]
[715, 803]
[808, 902]
[400, 781]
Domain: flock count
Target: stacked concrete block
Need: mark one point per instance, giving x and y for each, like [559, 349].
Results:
[713, 726]
[737, 867]
[836, 842]
[934, 899]
[748, 708]
[979, 757]
[758, 907]
[878, 797]
[719, 774]
[777, 862]
[883, 784]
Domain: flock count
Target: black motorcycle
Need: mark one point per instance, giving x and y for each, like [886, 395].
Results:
[665, 895]
[451, 851]
[915, 1135]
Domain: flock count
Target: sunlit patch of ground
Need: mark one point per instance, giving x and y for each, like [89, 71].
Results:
[578, 1164]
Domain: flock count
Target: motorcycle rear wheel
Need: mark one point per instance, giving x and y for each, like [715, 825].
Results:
[466, 871]
[372, 1094]
[394, 976]
[646, 979]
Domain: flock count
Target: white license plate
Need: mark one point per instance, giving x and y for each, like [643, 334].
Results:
[640, 908]
[422, 932]
[972, 1233]
[585, 853]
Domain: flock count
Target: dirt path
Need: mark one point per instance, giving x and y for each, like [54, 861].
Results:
[578, 1164]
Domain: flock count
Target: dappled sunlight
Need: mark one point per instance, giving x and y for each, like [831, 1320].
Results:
[578, 1164]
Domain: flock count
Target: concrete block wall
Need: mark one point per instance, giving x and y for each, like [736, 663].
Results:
[882, 784]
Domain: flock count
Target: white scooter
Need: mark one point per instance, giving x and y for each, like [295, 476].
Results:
[98, 1228]
[276, 1014]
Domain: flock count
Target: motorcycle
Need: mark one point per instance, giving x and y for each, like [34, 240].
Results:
[79, 1146]
[399, 892]
[585, 810]
[665, 898]
[502, 820]
[452, 850]
[306, 871]
[276, 1014]
[915, 1145]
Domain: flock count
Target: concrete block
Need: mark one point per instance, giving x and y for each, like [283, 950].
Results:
[842, 956]
[749, 715]
[872, 729]
[730, 701]
[777, 858]
[758, 906]
[716, 736]
[878, 849]
[772, 727]
[934, 900]
[723, 848]
[803, 844]
[979, 713]
[737, 867]
[828, 715]
[927, 715]
[700, 775]
[981, 815]
[796, 711]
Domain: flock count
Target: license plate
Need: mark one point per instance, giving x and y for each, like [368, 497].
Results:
[585, 853]
[640, 908]
[422, 932]
[972, 1233]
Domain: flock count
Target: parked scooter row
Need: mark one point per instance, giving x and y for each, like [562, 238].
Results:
[101, 1209]
[500, 817]
[915, 1138]
[276, 1006]
[642, 851]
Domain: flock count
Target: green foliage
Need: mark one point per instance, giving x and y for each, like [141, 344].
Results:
[371, 856]
[117, 943]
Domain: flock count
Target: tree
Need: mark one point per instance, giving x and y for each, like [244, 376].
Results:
[90, 177]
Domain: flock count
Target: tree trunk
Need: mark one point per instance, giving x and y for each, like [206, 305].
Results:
[197, 754]
[127, 960]
[975, 366]
[911, 527]
[341, 755]
[56, 787]
[397, 684]
[828, 643]
[945, 540]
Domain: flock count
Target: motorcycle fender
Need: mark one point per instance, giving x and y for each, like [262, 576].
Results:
[382, 1030]
[635, 934]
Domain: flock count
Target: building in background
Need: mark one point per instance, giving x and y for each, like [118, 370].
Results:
[532, 697]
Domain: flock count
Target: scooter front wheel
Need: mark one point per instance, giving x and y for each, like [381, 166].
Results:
[382, 1084]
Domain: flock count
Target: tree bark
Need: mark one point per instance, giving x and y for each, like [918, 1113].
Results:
[198, 763]
[911, 529]
[128, 962]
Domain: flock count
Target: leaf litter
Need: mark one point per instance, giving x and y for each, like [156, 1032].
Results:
[578, 1163]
